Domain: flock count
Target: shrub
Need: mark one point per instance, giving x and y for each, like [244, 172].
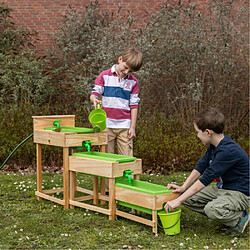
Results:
[197, 58]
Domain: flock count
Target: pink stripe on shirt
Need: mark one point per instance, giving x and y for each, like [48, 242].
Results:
[118, 114]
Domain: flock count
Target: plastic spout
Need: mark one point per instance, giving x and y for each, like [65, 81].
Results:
[58, 127]
[126, 174]
[87, 145]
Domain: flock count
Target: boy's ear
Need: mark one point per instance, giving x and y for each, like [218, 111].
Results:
[209, 132]
[120, 59]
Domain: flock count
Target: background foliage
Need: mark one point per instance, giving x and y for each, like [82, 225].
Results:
[193, 58]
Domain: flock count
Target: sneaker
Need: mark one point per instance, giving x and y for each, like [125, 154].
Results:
[244, 220]
[240, 227]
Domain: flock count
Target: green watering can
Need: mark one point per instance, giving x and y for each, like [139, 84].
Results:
[97, 118]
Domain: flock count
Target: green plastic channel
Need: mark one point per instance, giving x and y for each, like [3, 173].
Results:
[105, 156]
[77, 130]
[143, 187]
[139, 208]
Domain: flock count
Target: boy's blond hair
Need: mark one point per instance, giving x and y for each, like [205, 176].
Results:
[133, 58]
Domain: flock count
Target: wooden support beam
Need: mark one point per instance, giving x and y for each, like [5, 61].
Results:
[134, 218]
[90, 207]
[66, 176]
[51, 198]
[39, 168]
[52, 191]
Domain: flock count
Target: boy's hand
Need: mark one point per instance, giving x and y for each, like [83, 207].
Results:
[172, 205]
[131, 133]
[95, 101]
[177, 189]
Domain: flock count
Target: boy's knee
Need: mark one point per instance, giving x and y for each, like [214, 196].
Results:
[215, 210]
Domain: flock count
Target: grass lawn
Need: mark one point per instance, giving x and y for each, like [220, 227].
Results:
[27, 223]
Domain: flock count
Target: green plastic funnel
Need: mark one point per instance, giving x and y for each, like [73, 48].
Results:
[97, 118]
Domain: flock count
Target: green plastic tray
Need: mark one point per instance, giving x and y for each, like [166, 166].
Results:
[77, 130]
[105, 156]
[144, 187]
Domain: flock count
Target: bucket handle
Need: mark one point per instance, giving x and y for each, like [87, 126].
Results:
[172, 225]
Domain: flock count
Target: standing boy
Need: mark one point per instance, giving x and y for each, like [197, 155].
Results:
[119, 90]
[225, 161]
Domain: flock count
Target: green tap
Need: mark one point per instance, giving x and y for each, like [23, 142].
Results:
[86, 144]
[58, 127]
[127, 173]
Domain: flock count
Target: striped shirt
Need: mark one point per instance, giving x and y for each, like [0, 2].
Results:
[119, 96]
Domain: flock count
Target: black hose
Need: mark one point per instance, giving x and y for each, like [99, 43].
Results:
[15, 150]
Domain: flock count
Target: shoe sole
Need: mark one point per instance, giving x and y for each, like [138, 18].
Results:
[245, 225]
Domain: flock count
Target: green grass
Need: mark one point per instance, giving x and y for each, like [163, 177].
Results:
[27, 223]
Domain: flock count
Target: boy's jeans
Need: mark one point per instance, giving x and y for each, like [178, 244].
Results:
[123, 143]
[221, 204]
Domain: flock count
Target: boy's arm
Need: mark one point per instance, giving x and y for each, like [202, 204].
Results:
[131, 131]
[195, 188]
[191, 178]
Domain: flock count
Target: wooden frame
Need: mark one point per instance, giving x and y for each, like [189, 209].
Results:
[64, 140]
[153, 202]
[98, 168]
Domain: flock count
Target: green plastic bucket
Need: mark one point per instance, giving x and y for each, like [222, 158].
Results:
[97, 118]
[170, 221]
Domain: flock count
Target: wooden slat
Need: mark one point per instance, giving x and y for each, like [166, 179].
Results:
[154, 220]
[90, 207]
[134, 197]
[84, 190]
[134, 218]
[52, 191]
[40, 122]
[112, 204]
[51, 198]
[74, 140]
[95, 190]
[39, 168]
[84, 198]
[103, 197]
[103, 190]
[49, 137]
[66, 176]
[119, 168]
[72, 187]
[90, 166]
[163, 198]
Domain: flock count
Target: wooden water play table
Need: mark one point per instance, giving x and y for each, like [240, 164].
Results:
[65, 140]
[102, 165]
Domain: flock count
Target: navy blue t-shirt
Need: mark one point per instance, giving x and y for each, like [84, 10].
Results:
[228, 161]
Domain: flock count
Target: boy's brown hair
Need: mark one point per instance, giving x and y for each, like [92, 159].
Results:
[210, 118]
[133, 58]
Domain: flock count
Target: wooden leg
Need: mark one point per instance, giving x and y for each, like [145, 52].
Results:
[103, 148]
[112, 205]
[137, 177]
[154, 218]
[66, 177]
[102, 187]
[72, 190]
[74, 174]
[39, 168]
[102, 182]
[95, 190]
